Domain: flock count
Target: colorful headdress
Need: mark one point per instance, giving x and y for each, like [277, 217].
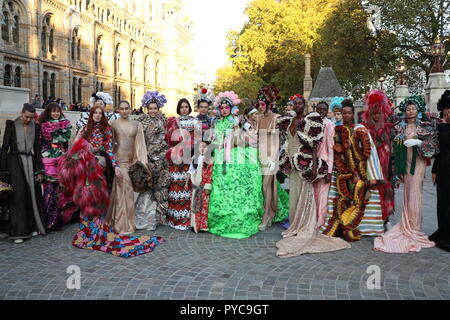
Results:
[296, 96]
[377, 99]
[416, 100]
[444, 101]
[230, 98]
[336, 103]
[154, 97]
[269, 95]
[204, 96]
[105, 97]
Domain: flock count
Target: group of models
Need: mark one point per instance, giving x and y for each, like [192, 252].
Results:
[220, 173]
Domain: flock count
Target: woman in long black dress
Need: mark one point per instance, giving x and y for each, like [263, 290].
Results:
[441, 176]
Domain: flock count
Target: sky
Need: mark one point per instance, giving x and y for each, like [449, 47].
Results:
[212, 19]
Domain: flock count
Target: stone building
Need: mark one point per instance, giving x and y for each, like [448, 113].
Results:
[69, 49]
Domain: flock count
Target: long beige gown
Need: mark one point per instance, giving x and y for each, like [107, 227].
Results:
[302, 236]
[129, 147]
[268, 145]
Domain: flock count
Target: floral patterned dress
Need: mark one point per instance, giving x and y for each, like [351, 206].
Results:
[94, 233]
[180, 138]
[58, 207]
[151, 205]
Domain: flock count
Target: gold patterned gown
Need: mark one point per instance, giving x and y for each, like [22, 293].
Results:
[302, 235]
[129, 147]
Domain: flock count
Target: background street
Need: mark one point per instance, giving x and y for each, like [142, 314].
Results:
[204, 266]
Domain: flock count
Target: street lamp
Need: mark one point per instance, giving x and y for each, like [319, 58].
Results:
[401, 69]
[437, 50]
[382, 79]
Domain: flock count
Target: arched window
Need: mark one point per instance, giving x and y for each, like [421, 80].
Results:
[146, 70]
[16, 29]
[133, 65]
[74, 89]
[53, 85]
[76, 46]
[47, 36]
[72, 50]
[44, 40]
[98, 52]
[80, 91]
[18, 77]
[5, 26]
[50, 41]
[7, 76]
[45, 86]
[156, 73]
[117, 60]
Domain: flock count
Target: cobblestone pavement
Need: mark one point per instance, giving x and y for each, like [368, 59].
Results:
[204, 266]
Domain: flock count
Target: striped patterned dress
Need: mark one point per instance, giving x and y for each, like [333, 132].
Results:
[371, 223]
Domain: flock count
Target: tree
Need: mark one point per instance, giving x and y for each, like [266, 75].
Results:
[246, 85]
[415, 25]
[358, 57]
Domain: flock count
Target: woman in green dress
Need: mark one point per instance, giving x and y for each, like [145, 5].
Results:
[236, 203]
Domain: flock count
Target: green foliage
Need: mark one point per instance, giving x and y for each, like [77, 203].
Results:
[270, 48]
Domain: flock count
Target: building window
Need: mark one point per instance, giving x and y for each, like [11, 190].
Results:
[80, 91]
[146, 70]
[5, 26]
[53, 85]
[47, 36]
[76, 46]
[98, 53]
[50, 41]
[7, 76]
[156, 73]
[74, 89]
[16, 29]
[45, 86]
[44, 40]
[18, 78]
[133, 65]
[117, 60]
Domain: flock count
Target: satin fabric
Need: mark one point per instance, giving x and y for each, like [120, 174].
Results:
[302, 236]
[325, 152]
[406, 236]
[129, 148]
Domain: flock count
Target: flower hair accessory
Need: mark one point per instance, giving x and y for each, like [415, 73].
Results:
[269, 95]
[296, 96]
[154, 97]
[416, 100]
[230, 98]
[105, 97]
[336, 103]
[204, 95]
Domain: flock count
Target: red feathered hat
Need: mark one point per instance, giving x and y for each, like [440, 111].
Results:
[377, 98]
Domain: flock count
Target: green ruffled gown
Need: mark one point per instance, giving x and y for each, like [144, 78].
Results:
[236, 202]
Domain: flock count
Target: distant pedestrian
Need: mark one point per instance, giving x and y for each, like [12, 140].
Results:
[36, 102]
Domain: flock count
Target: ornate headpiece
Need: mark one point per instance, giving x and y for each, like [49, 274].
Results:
[268, 95]
[204, 95]
[416, 100]
[154, 97]
[296, 96]
[377, 98]
[227, 97]
[105, 97]
[336, 103]
[444, 101]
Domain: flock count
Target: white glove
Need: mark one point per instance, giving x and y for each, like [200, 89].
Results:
[271, 165]
[412, 142]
